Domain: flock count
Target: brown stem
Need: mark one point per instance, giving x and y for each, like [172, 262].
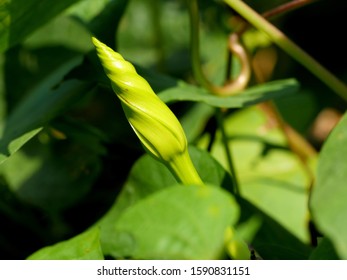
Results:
[284, 8]
[296, 143]
[235, 48]
[240, 82]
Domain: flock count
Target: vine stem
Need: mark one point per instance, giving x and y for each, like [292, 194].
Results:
[194, 42]
[280, 39]
[220, 120]
[200, 77]
[286, 7]
[235, 47]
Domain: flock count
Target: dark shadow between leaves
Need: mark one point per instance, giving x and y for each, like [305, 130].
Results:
[273, 241]
[36, 111]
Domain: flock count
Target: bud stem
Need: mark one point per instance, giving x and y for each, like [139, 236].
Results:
[183, 169]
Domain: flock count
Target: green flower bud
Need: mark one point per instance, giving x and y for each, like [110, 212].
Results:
[158, 129]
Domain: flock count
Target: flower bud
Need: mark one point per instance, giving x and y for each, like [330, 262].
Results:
[158, 129]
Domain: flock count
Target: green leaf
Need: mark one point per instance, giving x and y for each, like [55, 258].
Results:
[272, 182]
[284, 202]
[148, 176]
[179, 222]
[248, 97]
[54, 174]
[328, 202]
[61, 32]
[324, 251]
[21, 17]
[35, 111]
[85, 246]
[270, 175]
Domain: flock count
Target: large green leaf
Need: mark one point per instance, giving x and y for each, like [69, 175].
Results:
[328, 202]
[284, 202]
[55, 174]
[272, 183]
[250, 96]
[324, 251]
[149, 176]
[19, 18]
[270, 175]
[85, 246]
[61, 32]
[179, 222]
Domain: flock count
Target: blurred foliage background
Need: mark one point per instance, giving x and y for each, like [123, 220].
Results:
[79, 148]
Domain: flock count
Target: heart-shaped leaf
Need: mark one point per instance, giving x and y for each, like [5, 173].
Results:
[328, 202]
[85, 246]
[179, 222]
